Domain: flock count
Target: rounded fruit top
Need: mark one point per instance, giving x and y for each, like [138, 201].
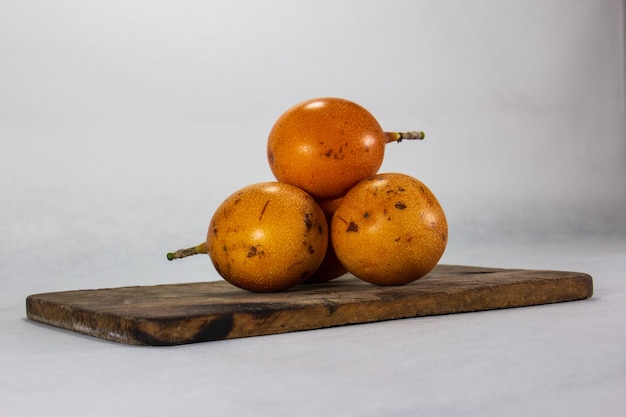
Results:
[325, 146]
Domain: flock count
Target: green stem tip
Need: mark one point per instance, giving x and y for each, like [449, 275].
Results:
[183, 253]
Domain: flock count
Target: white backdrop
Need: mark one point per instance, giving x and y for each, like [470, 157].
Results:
[124, 124]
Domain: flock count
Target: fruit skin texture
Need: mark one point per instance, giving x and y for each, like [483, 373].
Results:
[331, 267]
[325, 146]
[389, 230]
[267, 237]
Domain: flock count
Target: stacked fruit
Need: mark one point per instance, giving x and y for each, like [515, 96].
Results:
[329, 212]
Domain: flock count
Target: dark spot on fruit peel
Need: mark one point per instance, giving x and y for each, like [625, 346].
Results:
[342, 219]
[215, 230]
[400, 205]
[270, 157]
[308, 222]
[328, 153]
[311, 250]
[366, 214]
[352, 227]
[293, 265]
[255, 251]
[263, 210]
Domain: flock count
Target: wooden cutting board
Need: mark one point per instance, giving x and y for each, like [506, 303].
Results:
[198, 312]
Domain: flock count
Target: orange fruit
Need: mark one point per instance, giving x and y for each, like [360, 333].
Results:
[327, 145]
[389, 230]
[267, 237]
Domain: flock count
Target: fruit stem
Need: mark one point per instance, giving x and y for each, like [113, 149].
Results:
[400, 136]
[183, 253]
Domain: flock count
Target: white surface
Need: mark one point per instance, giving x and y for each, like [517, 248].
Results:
[123, 125]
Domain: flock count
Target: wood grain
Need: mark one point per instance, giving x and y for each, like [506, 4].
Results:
[204, 311]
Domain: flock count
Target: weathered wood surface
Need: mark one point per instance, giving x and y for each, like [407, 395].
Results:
[204, 311]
